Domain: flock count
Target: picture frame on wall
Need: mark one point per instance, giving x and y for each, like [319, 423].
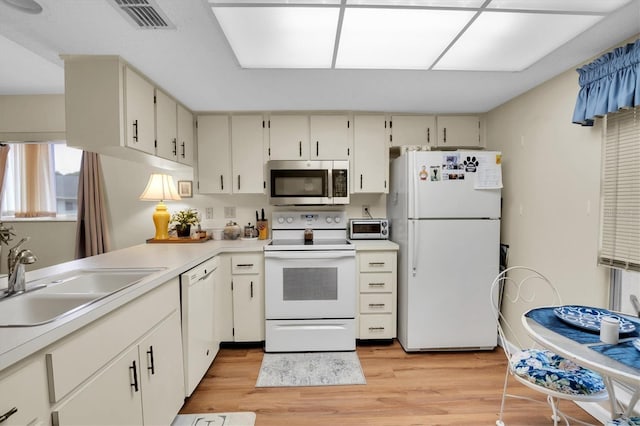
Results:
[185, 188]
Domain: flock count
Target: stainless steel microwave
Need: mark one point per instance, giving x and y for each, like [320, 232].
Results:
[300, 182]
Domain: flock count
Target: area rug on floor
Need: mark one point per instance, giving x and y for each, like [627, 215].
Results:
[310, 369]
[215, 419]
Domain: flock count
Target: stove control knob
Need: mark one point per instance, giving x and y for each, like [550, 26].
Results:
[281, 220]
[337, 219]
[289, 219]
[329, 219]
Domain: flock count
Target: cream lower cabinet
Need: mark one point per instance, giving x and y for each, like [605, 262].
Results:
[24, 398]
[248, 297]
[143, 380]
[377, 281]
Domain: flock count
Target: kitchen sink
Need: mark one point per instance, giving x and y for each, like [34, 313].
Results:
[38, 308]
[91, 281]
[51, 298]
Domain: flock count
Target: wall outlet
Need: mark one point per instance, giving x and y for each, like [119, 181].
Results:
[208, 213]
[365, 211]
[229, 212]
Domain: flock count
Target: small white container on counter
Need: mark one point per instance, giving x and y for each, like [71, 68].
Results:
[217, 233]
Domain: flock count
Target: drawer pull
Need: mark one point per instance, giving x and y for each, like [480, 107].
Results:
[8, 414]
[151, 366]
[245, 265]
[376, 305]
[376, 284]
[134, 385]
[376, 328]
[376, 263]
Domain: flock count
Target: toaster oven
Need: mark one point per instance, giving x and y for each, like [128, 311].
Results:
[368, 229]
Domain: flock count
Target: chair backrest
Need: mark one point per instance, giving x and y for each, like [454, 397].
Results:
[513, 292]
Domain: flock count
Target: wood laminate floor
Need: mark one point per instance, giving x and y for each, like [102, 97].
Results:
[434, 388]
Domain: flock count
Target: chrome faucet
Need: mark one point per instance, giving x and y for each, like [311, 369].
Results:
[16, 260]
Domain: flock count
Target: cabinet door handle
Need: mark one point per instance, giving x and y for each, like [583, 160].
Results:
[317, 149]
[152, 365]
[360, 181]
[445, 135]
[8, 414]
[251, 289]
[300, 148]
[135, 376]
[222, 182]
[175, 146]
[135, 130]
[429, 135]
[182, 149]
[238, 182]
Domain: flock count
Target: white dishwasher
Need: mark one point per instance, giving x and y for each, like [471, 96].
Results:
[199, 340]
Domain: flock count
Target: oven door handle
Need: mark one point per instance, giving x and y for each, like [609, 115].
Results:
[288, 255]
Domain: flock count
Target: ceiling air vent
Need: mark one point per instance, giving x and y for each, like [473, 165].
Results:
[143, 14]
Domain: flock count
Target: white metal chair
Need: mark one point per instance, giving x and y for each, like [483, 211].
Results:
[516, 290]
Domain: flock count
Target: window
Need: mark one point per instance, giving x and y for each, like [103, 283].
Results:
[620, 192]
[41, 180]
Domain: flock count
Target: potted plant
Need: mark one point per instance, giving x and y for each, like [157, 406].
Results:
[183, 221]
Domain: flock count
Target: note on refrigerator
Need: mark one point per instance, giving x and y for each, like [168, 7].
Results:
[489, 172]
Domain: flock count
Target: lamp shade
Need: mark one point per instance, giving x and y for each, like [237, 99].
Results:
[159, 188]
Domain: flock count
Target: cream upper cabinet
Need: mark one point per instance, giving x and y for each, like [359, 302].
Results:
[458, 131]
[289, 137]
[166, 126]
[413, 130]
[185, 142]
[24, 394]
[110, 109]
[247, 141]
[371, 155]
[139, 107]
[329, 137]
[214, 154]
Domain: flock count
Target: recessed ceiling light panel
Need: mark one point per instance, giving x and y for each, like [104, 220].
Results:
[419, 3]
[501, 41]
[280, 37]
[560, 5]
[396, 38]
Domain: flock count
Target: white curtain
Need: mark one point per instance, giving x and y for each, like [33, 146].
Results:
[30, 166]
[4, 153]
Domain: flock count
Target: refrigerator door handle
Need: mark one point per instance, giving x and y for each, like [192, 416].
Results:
[415, 248]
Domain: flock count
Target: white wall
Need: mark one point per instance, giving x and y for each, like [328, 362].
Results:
[551, 171]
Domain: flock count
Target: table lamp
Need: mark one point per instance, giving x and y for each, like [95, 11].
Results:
[159, 188]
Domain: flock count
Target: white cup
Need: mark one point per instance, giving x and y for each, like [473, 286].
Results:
[217, 233]
[609, 330]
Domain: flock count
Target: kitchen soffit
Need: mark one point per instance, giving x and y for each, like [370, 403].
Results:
[469, 35]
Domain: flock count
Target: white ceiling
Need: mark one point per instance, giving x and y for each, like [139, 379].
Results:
[195, 64]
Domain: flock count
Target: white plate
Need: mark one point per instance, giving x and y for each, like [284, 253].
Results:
[589, 318]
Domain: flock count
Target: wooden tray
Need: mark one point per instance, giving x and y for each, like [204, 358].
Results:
[176, 240]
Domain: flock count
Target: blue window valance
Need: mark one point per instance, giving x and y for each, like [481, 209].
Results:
[608, 84]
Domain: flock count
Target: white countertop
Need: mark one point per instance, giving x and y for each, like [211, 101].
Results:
[365, 245]
[17, 343]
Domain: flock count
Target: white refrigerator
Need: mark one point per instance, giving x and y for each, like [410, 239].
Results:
[444, 212]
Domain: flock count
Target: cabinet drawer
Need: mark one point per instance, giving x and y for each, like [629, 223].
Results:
[376, 303]
[379, 282]
[377, 261]
[377, 326]
[25, 390]
[247, 263]
[75, 358]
